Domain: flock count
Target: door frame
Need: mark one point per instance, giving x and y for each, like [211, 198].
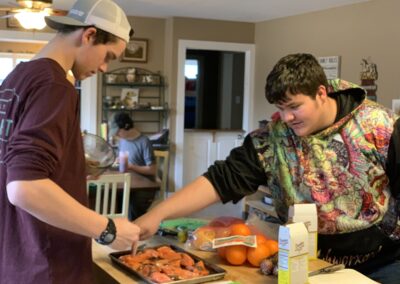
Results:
[248, 94]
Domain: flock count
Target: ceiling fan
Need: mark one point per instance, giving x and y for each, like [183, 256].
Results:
[30, 13]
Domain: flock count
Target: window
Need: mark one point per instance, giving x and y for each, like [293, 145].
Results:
[191, 68]
[9, 60]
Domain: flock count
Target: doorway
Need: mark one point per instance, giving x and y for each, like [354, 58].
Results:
[248, 86]
[214, 89]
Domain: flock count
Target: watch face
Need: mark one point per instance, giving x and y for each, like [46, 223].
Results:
[108, 238]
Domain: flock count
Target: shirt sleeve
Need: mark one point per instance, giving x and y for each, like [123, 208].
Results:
[40, 132]
[239, 175]
[393, 161]
[148, 153]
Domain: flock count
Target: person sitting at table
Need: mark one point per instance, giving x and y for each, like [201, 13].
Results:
[141, 160]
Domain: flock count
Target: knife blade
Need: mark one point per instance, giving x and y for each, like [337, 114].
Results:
[328, 269]
[136, 247]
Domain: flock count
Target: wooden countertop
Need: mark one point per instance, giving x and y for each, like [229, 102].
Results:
[108, 272]
[138, 181]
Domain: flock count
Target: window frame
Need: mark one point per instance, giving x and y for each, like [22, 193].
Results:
[15, 56]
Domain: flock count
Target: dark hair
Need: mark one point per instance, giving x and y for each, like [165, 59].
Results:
[123, 120]
[101, 37]
[294, 74]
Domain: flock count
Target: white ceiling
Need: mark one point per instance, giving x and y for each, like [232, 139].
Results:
[234, 10]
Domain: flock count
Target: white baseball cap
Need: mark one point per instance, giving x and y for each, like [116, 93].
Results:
[103, 14]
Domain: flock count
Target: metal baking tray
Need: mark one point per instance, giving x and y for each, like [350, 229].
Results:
[216, 272]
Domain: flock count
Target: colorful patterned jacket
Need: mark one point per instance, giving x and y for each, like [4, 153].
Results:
[341, 169]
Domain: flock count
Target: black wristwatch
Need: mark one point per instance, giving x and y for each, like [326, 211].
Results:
[109, 234]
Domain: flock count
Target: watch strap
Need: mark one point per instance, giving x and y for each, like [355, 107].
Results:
[108, 235]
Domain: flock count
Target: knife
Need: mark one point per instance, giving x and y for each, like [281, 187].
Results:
[328, 269]
[136, 247]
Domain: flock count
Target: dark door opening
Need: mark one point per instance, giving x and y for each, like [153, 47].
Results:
[214, 89]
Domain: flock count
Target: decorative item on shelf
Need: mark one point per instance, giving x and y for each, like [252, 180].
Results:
[145, 106]
[131, 75]
[138, 91]
[130, 97]
[157, 107]
[136, 51]
[107, 101]
[368, 76]
[116, 103]
[111, 78]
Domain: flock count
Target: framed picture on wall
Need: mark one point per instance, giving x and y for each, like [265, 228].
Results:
[136, 50]
[331, 66]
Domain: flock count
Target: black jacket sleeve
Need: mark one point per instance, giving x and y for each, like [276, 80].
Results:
[393, 161]
[239, 175]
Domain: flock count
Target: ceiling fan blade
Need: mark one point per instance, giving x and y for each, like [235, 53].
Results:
[35, 4]
[6, 16]
[55, 12]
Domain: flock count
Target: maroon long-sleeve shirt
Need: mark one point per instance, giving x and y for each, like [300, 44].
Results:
[40, 138]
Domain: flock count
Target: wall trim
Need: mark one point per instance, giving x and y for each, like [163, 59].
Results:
[248, 96]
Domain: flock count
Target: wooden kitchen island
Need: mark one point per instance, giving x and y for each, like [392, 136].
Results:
[107, 272]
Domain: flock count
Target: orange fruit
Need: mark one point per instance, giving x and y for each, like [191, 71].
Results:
[240, 229]
[222, 252]
[273, 246]
[261, 239]
[222, 232]
[258, 254]
[236, 255]
[203, 237]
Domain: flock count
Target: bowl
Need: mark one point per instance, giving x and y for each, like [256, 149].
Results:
[99, 154]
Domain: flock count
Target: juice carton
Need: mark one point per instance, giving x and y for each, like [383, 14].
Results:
[307, 213]
[293, 254]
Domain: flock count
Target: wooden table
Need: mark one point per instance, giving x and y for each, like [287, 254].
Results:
[138, 181]
[106, 272]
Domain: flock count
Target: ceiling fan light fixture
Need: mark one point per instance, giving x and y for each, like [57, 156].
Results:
[35, 4]
[32, 19]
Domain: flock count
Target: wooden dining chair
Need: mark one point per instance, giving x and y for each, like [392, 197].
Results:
[106, 189]
[162, 163]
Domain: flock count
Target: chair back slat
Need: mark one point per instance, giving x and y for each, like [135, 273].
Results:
[162, 163]
[107, 187]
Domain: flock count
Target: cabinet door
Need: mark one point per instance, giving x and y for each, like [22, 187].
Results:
[198, 154]
[202, 149]
[225, 142]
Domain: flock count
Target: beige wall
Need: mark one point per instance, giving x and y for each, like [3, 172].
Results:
[151, 29]
[354, 32]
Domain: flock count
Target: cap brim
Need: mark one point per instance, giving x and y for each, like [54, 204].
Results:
[56, 22]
